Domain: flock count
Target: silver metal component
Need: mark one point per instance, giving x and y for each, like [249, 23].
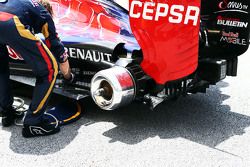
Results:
[153, 101]
[108, 63]
[223, 71]
[207, 44]
[99, 92]
[123, 62]
[113, 88]
[162, 94]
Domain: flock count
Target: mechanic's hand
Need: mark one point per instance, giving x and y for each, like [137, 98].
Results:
[70, 80]
[65, 69]
[68, 76]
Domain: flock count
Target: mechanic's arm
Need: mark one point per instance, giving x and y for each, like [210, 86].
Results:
[55, 45]
[66, 71]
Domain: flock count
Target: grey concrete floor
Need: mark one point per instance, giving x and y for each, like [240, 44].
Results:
[210, 129]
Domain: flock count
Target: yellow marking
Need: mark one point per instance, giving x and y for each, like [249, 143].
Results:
[45, 30]
[55, 66]
[79, 109]
[25, 33]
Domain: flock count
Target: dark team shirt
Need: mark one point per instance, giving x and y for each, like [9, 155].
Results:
[38, 20]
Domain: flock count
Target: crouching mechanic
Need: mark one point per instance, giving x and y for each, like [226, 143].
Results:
[19, 21]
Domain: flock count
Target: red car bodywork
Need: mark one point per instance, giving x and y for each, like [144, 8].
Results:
[170, 50]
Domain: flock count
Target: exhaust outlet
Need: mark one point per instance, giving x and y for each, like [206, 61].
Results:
[113, 88]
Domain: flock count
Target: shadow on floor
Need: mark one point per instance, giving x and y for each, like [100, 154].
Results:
[201, 118]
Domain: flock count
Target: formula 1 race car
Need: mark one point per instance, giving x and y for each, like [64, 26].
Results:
[151, 53]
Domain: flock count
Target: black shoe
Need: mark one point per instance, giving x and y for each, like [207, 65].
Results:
[9, 116]
[42, 129]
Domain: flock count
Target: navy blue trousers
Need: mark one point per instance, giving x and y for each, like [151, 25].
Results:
[36, 54]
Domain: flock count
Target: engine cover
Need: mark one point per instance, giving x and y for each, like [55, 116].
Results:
[167, 32]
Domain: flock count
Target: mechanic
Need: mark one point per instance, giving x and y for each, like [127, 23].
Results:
[19, 21]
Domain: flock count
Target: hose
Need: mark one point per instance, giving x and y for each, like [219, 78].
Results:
[19, 106]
